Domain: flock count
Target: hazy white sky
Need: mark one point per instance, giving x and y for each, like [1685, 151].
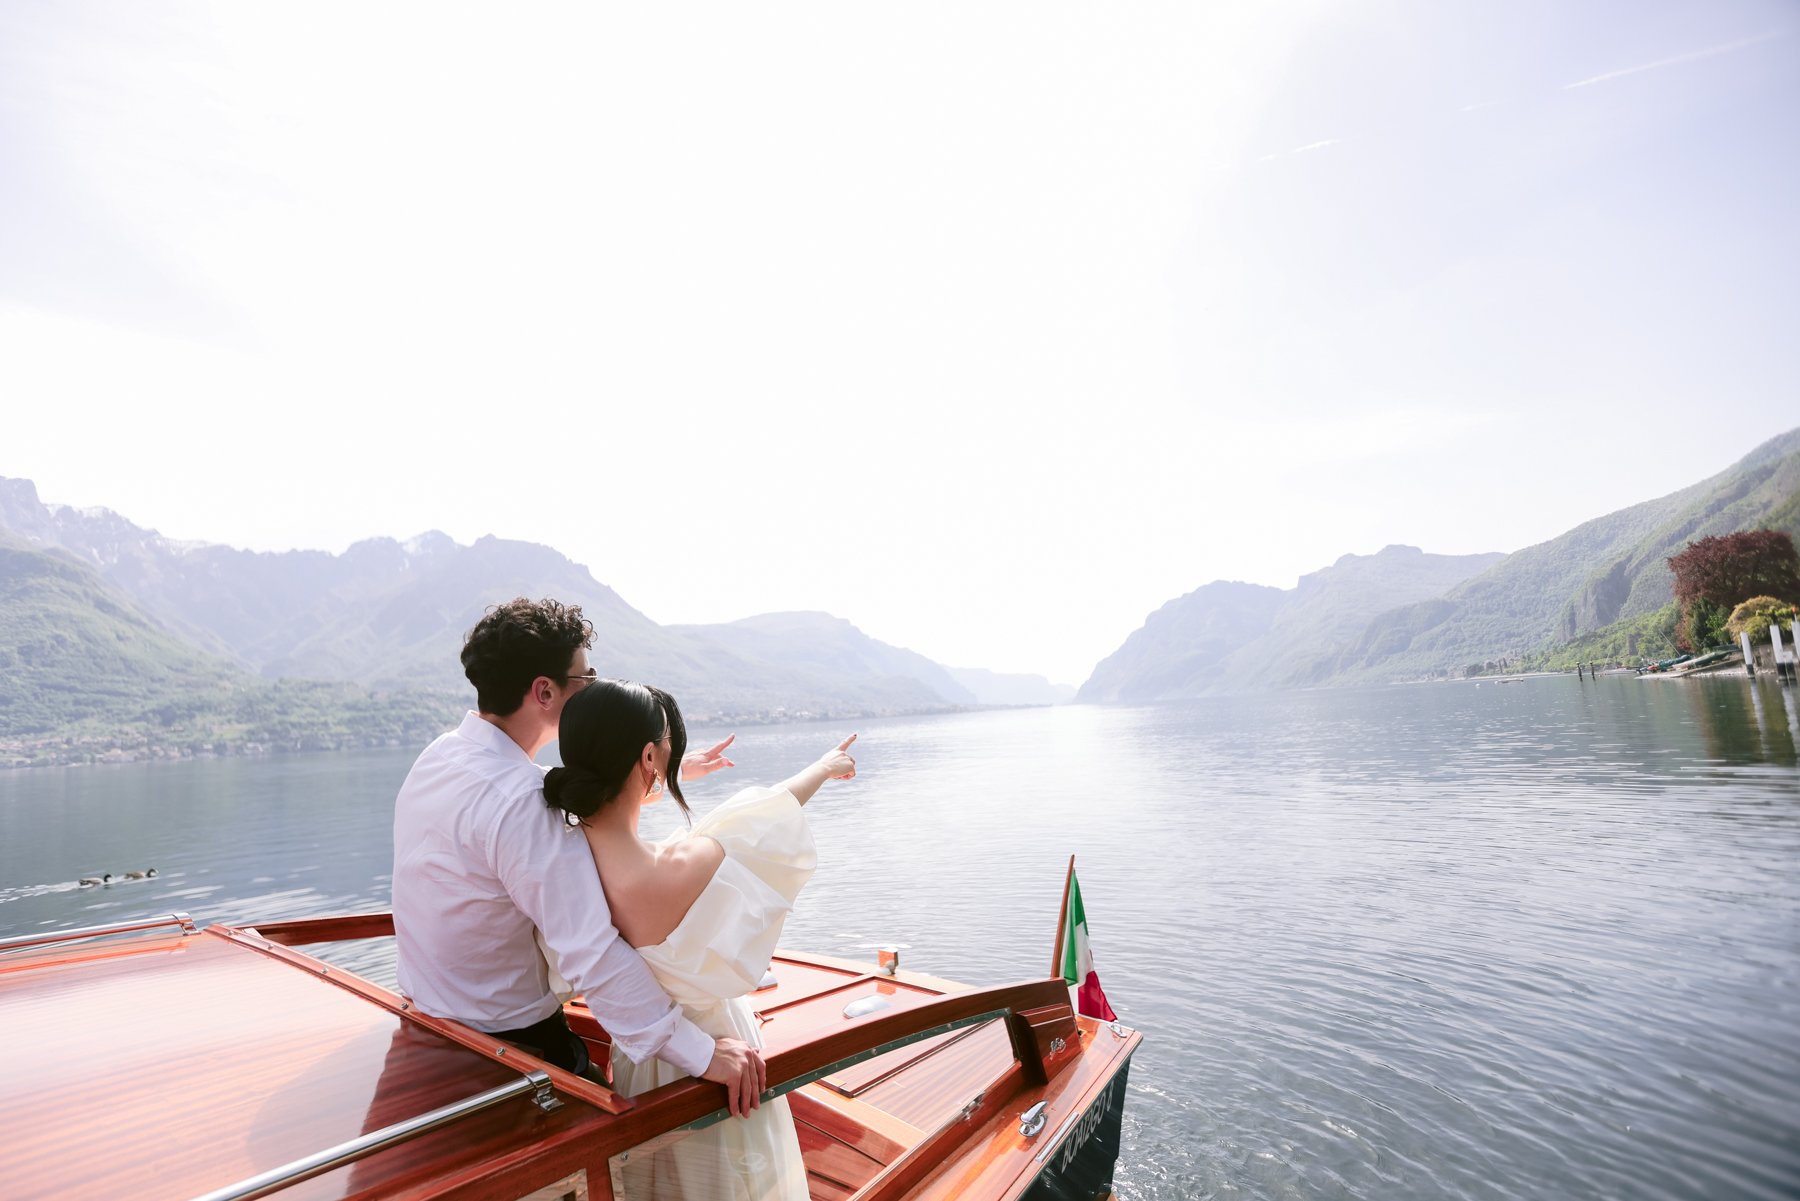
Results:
[988, 327]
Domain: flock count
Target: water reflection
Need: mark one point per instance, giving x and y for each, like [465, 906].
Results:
[1733, 717]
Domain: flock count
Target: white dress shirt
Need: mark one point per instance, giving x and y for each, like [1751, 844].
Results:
[480, 860]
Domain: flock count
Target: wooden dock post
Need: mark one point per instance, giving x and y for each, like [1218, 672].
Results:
[1749, 655]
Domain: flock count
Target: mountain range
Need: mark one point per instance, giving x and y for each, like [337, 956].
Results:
[115, 639]
[1230, 636]
[386, 619]
[1403, 614]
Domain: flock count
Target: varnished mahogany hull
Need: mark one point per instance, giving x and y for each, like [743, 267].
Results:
[1082, 1167]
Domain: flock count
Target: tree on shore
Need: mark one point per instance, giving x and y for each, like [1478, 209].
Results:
[1756, 615]
[1716, 574]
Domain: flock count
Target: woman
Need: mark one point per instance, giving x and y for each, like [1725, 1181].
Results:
[704, 910]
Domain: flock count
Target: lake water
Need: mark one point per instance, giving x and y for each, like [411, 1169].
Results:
[1535, 939]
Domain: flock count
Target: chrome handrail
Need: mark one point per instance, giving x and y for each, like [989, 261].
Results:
[264, 1183]
[45, 940]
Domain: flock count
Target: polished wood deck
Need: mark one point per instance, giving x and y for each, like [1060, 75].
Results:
[119, 1054]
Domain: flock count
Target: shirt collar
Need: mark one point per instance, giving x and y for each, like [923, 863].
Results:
[490, 737]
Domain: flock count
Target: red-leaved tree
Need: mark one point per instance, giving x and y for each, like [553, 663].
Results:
[1728, 568]
[1714, 574]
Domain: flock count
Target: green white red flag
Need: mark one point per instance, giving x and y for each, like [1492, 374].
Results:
[1078, 957]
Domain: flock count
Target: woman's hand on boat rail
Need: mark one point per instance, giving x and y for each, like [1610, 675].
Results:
[740, 1068]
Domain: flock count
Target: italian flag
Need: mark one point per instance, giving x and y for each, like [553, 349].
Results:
[1078, 956]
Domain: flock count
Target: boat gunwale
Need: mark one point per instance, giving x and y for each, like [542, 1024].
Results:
[967, 1007]
[693, 1104]
[693, 1101]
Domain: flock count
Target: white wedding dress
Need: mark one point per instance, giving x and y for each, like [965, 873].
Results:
[717, 954]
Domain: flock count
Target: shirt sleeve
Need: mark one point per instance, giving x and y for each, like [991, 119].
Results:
[550, 875]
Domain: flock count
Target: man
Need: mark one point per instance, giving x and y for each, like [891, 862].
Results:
[480, 862]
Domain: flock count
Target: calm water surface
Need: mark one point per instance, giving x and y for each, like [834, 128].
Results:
[1538, 939]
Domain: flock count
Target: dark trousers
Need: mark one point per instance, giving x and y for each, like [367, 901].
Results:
[552, 1041]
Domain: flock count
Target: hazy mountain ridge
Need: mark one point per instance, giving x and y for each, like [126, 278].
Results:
[1332, 606]
[183, 630]
[1228, 637]
[821, 647]
[85, 674]
[1181, 643]
[1761, 490]
[1601, 571]
[123, 553]
[1011, 688]
[391, 615]
[71, 645]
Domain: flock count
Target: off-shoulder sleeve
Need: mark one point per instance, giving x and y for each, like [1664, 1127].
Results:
[765, 830]
[722, 947]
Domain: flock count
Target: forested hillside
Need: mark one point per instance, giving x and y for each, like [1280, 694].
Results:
[1229, 637]
[86, 674]
[1602, 571]
[232, 647]
[1403, 615]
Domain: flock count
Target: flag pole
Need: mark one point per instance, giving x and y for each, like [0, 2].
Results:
[1062, 921]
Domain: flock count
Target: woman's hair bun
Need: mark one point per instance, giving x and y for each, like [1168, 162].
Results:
[574, 790]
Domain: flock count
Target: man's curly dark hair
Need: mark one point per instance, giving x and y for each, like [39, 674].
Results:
[515, 643]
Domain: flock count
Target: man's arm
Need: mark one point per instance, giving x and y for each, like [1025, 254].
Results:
[550, 876]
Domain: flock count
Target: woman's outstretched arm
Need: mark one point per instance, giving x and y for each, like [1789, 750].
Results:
[835, 764]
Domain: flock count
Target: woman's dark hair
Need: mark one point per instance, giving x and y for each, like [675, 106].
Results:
[603, 731]
[515, 643]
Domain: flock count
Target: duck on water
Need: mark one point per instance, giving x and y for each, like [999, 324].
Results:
[148, 873]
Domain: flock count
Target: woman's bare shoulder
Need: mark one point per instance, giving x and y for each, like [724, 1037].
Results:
[661, 896]
[688, 866]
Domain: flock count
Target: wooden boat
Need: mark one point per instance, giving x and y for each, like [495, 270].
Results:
[158, 1060]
